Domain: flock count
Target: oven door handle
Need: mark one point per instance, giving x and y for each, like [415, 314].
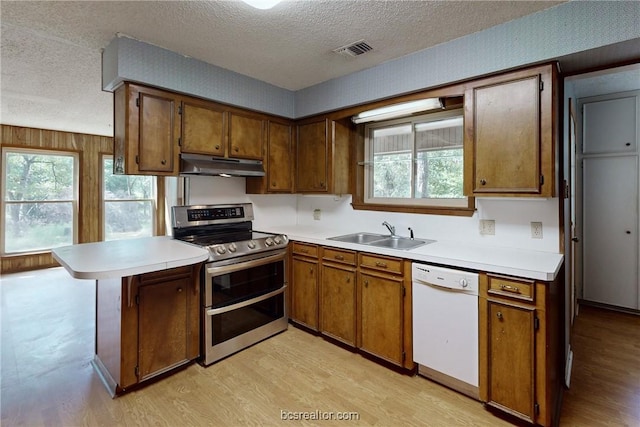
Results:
[214, 311]
[218, 271]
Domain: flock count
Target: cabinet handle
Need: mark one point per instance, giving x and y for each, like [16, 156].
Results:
[179, 290]
[366, 283]
[322, 185]
[628, 144]
[381, 264]
[508, 288]
[339, 257]
[164, 162]
[483, 181]
[236, 149]
[311, 270]
[348, 279]
[304, 251]
[217, 147]
[628, 231]
[273, 184]
[499, 315]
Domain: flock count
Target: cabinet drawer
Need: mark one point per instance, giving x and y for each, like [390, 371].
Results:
[305, 249]
[381, 263]
[511, 288]
[337, 255]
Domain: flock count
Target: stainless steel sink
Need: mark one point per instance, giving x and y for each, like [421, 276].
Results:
[402, 243]
[382, 241]
[361, 238]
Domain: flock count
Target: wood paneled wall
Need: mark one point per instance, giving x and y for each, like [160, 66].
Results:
[89, 149]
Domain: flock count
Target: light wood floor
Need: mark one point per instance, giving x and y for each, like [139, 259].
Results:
[47, 345]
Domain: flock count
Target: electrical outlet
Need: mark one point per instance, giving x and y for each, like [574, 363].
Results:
[536, 230]
[317, 214]
[488, 227]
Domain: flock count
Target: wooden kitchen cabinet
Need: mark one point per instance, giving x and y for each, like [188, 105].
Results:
[146, 131]
[204, 128]
[279, 162]
[322, 157]
[338, 295]
[246, 136]
[510, 139]
[147, 325]
[384, 311]
[304, 285]
[520, 347]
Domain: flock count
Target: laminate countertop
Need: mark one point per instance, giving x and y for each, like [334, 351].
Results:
[121, 258]
[529, 264]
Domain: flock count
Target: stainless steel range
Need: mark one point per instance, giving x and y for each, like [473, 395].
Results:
[244, 280]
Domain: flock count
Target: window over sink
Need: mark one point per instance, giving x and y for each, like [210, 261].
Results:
[415, 161]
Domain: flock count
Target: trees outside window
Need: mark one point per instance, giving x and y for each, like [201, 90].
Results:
[416, 161]
[129, 204]
[40, 195]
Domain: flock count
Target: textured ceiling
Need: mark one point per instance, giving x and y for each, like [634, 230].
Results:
[50, 53]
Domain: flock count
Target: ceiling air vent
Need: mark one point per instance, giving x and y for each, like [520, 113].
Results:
[354, 49]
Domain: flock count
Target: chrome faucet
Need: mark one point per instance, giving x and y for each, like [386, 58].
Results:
[390, 227]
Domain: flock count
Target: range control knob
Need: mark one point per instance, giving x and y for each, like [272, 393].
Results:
[277, 239]
[268, 241]
[221, 250]
[464, 283]
[251, 244]
[232, 247]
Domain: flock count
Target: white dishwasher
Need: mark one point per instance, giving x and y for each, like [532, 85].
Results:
[445, 326]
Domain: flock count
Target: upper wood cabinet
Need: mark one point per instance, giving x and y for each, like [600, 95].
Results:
[204, 128]
[279, 161]
[146, 131]
[510, 134]
[322, 157]
[246, 136]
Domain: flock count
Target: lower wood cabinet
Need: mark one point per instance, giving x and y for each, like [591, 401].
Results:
[146, 325]
[521, 361]
[338, 295]
[304, 285]
[362, 300]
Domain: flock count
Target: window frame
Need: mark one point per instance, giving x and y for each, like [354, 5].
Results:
[75, 201]
[361, 198]
[103, 202]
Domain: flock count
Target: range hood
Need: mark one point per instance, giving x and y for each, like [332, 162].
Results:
[197, 164]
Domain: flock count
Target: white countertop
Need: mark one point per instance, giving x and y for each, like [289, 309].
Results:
[121, 258]
[514, 262]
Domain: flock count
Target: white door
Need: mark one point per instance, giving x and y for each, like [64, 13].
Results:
[610, 201]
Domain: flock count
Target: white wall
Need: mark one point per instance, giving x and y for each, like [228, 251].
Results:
[512, 216]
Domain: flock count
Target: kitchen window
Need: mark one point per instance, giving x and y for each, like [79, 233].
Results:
[416, 161]
[40, 194]
[129, 204]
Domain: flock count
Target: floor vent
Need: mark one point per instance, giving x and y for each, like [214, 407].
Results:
[354, 49]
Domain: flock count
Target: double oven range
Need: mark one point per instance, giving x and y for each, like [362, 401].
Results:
[244, 280]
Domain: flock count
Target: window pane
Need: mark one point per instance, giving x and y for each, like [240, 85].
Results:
[31, 176]
[119, 187]
[37, 226]
[439, 174]
[392, 148]
[125, 220]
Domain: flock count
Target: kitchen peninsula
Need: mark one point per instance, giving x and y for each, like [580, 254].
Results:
[147, 300]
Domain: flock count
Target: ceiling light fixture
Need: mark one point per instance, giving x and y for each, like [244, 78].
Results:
[262, 4]
[397, 110]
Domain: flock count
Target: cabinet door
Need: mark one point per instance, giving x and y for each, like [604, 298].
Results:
[280, 158]
[507, 136]
[163, 319]
[203, 129]
[311, 161]
[511, 352]
[304, 292]
[246, 137]
[381, 316]
[157, 132]
[338, 303]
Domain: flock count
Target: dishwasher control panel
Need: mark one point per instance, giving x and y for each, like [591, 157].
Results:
[445, 277]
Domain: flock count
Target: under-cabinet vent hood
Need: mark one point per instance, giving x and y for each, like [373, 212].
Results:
[196, 164]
